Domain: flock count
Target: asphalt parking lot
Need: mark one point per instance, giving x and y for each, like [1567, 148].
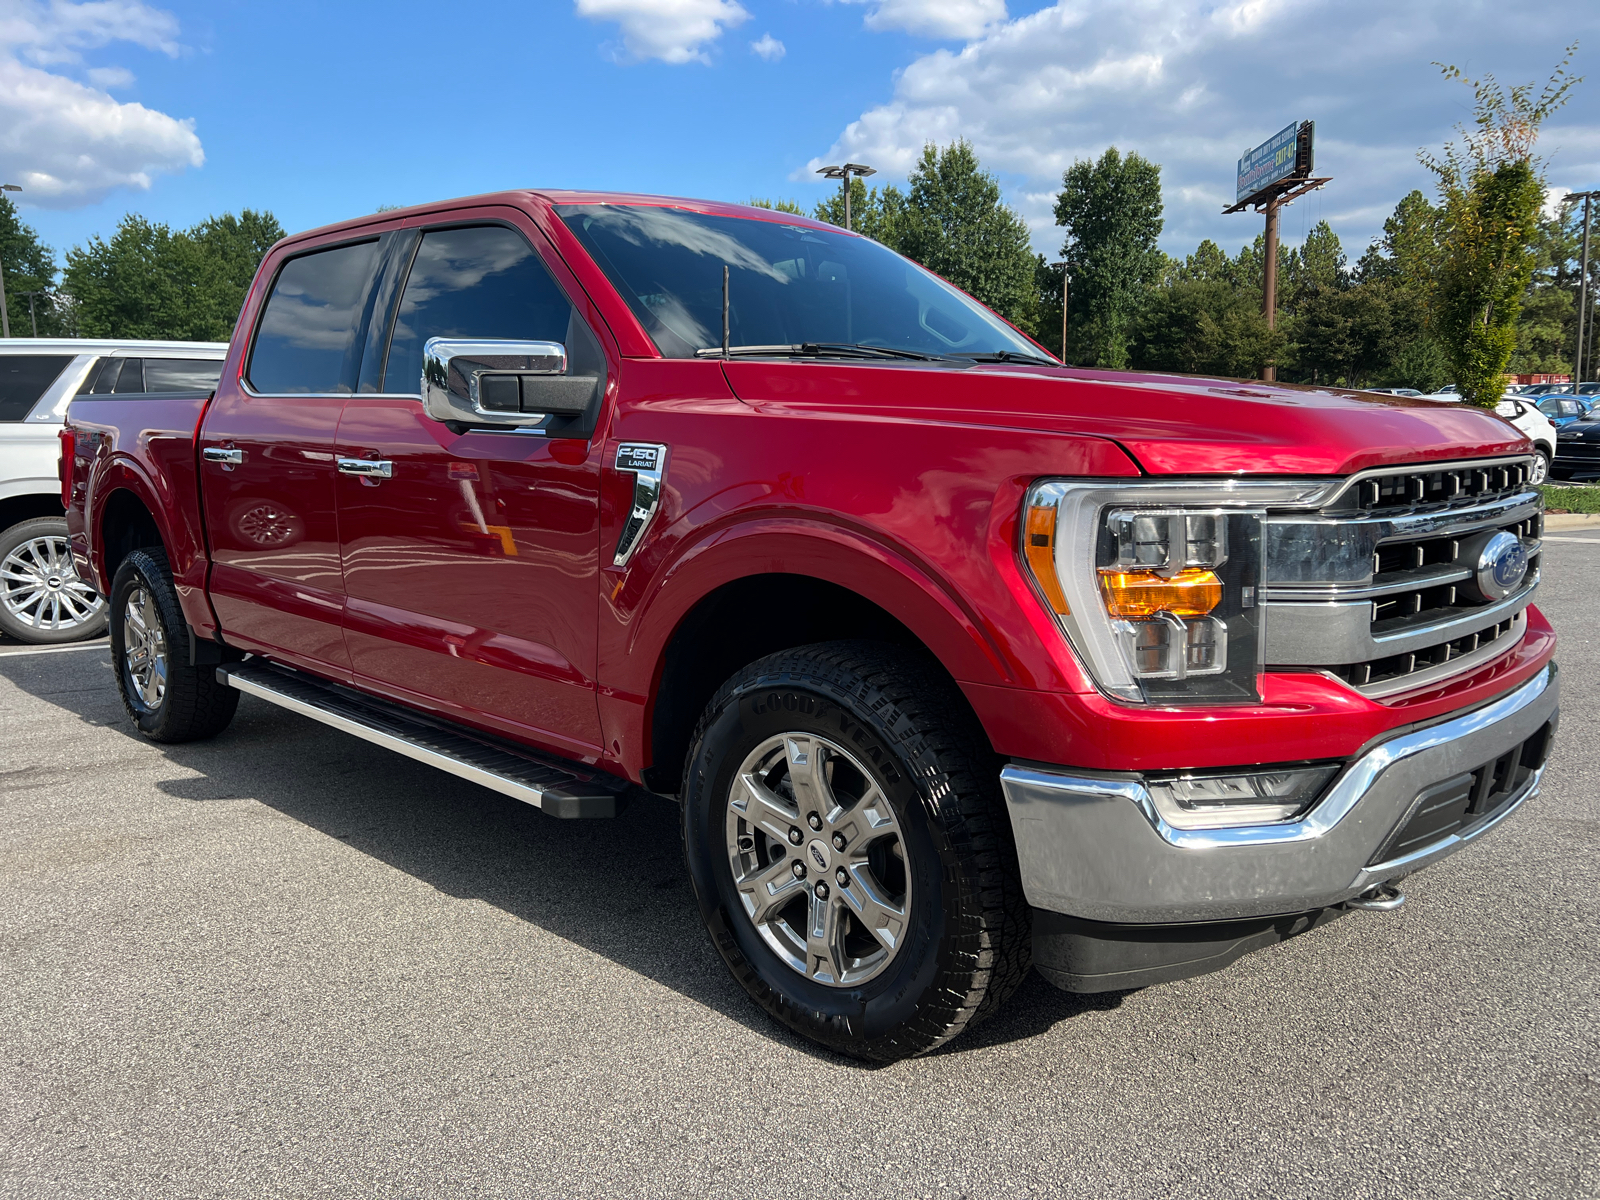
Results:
[287, 963]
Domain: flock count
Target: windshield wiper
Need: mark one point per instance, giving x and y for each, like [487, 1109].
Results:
[822, 350]
[1010, 356]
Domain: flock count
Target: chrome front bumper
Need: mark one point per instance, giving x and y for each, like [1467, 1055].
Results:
[1094, 846]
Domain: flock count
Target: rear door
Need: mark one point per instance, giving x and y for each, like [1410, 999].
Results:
[471, 568]
[267, 461]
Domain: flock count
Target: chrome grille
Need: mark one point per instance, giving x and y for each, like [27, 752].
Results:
[1444, 486]
[1377, 587]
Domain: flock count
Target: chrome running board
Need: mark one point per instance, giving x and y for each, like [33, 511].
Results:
[552, 785]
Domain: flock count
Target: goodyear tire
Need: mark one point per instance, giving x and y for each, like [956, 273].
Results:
[850, 850]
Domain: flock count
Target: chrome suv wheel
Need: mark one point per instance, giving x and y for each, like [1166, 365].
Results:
[144, 648]
[818, 859]
[42, 599]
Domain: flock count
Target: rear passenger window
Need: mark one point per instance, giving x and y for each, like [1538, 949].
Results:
[24, 378]
[307, 338]
[181, 374]
[479, 282]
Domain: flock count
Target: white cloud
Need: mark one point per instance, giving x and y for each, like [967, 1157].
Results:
[1191, 84]
[106, 78]
[68, 143]
[769, 48]
[937, 18]
[674, 31]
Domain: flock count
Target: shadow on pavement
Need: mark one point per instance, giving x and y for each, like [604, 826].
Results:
[617, 888]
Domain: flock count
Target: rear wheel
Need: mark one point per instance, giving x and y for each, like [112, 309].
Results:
[1541, 467]
[850, 850]
[42, 599]
[168, 699]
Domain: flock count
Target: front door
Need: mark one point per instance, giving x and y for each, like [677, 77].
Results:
[471, 565]
[267, 464]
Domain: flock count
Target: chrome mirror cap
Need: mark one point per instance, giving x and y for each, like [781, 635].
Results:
[499, 382]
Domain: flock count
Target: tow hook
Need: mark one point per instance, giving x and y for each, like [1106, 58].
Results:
[1383, 898]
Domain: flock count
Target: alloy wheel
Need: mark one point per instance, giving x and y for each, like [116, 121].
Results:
[144, 648]
[40, 588]
[818, 859]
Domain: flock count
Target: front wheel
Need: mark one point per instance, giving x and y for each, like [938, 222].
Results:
[850, 850]
[1541, 468]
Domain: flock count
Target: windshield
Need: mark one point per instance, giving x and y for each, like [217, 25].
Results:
[788, 286]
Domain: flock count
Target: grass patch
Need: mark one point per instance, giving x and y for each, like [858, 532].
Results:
[1570, 498]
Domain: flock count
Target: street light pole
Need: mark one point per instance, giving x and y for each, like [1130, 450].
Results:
[843, 173]
[5, 316]
[1584, 332]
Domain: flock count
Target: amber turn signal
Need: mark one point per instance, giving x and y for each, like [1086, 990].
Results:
[1140, 595]
[1039, 544]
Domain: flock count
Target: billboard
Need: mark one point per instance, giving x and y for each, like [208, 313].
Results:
[1286, 153]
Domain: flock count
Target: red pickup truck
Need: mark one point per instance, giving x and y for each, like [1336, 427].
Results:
[955, 658]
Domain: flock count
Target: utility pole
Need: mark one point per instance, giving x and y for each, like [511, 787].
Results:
[33, 317]
[1585, 333]
[1064, 283]
[5, 316]
[843, 173]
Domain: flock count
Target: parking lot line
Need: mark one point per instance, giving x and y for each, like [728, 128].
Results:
[103, 644]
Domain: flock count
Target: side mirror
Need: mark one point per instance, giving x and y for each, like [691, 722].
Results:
[500, 382]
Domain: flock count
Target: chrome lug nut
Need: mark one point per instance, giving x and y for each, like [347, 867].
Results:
[814, 821]
[822, 891]
[843, 877]
[794, 836]
[799, 869]
[838, 841]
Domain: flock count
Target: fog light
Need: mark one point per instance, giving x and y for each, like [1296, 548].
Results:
[1211, 801]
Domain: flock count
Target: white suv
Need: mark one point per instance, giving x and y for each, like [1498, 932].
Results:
[41, 598]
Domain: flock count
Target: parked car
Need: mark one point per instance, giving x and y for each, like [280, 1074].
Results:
[42, 599]
[1564, 409]
[954, 658]
[1578, 449]
[1539, 430]
[1587, 389]
[1395, 391]
[1526, 417]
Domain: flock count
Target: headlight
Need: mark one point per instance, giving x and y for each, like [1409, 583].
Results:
[1156, 584]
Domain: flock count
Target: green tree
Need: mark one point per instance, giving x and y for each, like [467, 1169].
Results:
[1112, 213]
[151, 282]
[953, 221]
[1347, 335]
[788, 206]
[1490, 192]
[1205, 326]
[29, 266]
[874, 212]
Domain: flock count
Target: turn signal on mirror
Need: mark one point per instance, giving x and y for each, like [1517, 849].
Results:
[1141, 595]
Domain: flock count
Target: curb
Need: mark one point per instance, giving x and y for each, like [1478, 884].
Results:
[1572, 521]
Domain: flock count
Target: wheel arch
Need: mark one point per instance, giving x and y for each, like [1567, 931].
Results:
[756, 592]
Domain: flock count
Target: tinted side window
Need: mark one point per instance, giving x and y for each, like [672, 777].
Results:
[24, 378]
[306, 341]
[481, 282]
[131, 381]
[181, 374]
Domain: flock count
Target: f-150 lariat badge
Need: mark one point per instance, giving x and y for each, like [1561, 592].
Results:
[648, 463]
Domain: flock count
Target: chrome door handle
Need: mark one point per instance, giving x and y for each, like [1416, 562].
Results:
[374, 467]
[218, 454]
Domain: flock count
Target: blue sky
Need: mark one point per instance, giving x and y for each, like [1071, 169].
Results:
[320, 112]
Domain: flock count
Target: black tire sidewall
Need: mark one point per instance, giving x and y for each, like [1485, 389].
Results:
[871, 1019]
[11, 537]
[138, 570]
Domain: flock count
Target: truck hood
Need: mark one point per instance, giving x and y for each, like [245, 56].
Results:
[1169, 424]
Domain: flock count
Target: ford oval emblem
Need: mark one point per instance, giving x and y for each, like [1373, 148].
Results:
[1502, 565]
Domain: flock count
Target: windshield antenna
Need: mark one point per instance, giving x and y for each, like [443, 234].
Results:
[724, 310]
